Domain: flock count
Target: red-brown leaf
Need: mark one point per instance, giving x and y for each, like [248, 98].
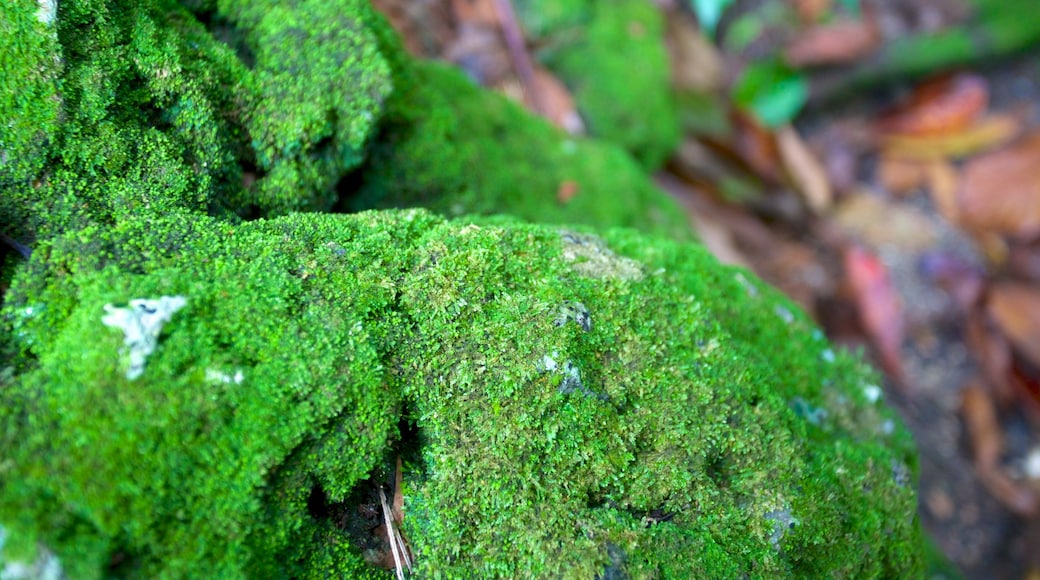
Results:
[834, 43]
[945, 105]
[879, 306]
[1000, 191]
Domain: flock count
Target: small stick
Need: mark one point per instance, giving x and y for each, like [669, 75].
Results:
[18, 246]
[518, 52]
[391, 535]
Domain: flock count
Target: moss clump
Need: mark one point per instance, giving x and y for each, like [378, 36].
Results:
[581, 406]
[116, 108]
[592, 45]
[452, 147]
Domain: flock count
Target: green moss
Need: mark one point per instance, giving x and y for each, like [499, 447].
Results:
[612, 55]
[452, 147]
[121, 108]
[581, 406]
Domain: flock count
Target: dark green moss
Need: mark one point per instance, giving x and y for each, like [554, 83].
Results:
[452, 147]
[612, 56]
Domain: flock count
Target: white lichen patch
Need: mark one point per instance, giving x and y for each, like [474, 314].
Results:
[590, 257]
[872, 393]
[141, 323]
[47, 11]
[46, 566]
[784, 314]
[750, 288]
[827, 355]
[217, 377]
[782, 522]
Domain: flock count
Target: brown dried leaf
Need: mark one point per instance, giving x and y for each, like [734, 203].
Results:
[900, 176]
[835, 43]
[696, 64]
[943, 183]
[879, 307]
[991, 349]
[986, 134]
[875, 221]
[1015, 308]
[980, 418]
[811, 10]
[478, 49]
[1001, 190]
[808, 175]
[949, 104]
[556, 101]
[756, 145]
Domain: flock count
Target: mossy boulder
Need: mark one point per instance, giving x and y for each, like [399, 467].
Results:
[567, 404]
[242, 109]
[115, 108]
[448, 145]
[592, 45]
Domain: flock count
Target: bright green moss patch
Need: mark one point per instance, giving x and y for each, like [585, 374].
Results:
[120, 108]
[450, 146]
[576, 405]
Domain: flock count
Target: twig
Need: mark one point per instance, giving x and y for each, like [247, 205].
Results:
[391, 535]
[518, 53]
[18, 246]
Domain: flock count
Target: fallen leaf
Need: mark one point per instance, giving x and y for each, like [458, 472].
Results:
[943, 183]
[808, 175]
[980, 418]
[899, 175]
[756, 145]
[478, 50]
[811, 10]
[991, 350]
[556, 101]
[1000, 191]
[1015, 307]
[987, 443]
[879, 307]
[875, 221]
[696, 63]
[835, 43]
[944, 105]
[986, 134]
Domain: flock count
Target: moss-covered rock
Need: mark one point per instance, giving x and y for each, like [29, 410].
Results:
[576, 405]
[593, 45]
[115, 108]
[450, 146]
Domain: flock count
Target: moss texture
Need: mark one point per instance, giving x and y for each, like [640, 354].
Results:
[580, 405]
[120, 108]
[450, 146]
[567, 404]
[592, 45]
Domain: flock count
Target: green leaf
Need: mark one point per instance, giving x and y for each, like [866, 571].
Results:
[709, 12]
[772, 91]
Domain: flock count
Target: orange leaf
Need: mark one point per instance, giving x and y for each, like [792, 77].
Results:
[983, 135]
[879, 308]
[1001, 190]
[945, 105]
[834, 43]
[980, 417]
